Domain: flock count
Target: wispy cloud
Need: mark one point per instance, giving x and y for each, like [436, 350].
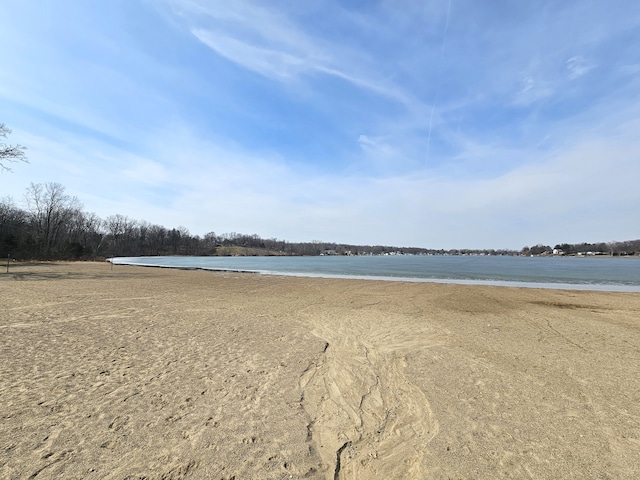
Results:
[533, 89]
[271, 63]
[578, 66]
[276, 47]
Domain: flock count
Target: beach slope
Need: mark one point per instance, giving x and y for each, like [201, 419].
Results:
[130, 372]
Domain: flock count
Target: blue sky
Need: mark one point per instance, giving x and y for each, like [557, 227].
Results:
[443, 124]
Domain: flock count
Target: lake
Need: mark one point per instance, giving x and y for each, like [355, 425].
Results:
[582, 273]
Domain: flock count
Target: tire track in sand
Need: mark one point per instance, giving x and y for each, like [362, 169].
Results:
[368, 420]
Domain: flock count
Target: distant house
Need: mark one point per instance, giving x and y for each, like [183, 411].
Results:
[557, 251]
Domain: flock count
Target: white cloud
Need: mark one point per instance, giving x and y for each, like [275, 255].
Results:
[270, 63]
[578, 66]
[376, 146]
[274, 46]
[535, 85]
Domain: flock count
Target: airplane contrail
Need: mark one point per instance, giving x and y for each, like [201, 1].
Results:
[435, 95]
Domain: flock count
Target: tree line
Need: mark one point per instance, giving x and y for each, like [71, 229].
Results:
[54, 226]
[626, 248]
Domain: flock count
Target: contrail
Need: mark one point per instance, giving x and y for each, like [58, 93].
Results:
[435, 95]
[446, 26]
[433, 107]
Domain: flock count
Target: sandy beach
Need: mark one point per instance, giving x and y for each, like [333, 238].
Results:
[149, 373]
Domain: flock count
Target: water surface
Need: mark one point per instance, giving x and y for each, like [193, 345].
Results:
[610, 274]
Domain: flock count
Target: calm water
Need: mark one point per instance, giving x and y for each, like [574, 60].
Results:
[611, 274]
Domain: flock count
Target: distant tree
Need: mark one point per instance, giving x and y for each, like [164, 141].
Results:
[185, 241]
[93, 234]
[12, 222]
[174, 239]
[157, 238]
[539, 249]
[10, 153]
[210, 242]
[51, 211]
[566, 248]
[123, 233]
[143, 236]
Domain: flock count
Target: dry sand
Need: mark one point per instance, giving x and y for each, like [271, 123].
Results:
[144, 373]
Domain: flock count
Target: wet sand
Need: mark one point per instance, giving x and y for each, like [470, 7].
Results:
[154, 373]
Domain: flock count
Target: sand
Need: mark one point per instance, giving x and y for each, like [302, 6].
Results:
[147, 373]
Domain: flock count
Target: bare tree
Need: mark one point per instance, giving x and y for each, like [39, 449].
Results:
[210, 242]
[10, 153]
[143, 236]
[123, 232]
[12, 221]
[51, 211]
[157, 238]
[86, 234]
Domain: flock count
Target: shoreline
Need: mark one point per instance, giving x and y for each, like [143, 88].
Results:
[168, 373]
